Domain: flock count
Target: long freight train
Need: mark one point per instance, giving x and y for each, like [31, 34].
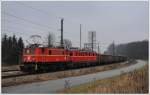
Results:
[45, 59]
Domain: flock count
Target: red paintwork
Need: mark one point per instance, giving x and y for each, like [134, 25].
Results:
[83, 56]
[50, 55]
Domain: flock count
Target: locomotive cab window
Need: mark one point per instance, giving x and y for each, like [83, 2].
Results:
[28, 51]
[50, 52]
[77, 54]
[42, 50]
[91, 54]
[71, 54]
[84, 54]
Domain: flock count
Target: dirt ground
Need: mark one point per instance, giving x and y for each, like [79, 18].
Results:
[59, 74]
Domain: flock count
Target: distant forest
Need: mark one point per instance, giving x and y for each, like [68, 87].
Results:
[12, 48]
[136, 50]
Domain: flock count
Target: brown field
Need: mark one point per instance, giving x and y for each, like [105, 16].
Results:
[133, 82]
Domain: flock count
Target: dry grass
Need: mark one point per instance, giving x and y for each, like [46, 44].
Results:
[133, 82]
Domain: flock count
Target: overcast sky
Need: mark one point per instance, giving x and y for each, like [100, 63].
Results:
[119, 21]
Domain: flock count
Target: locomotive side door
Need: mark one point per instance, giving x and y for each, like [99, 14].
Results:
[43, 53]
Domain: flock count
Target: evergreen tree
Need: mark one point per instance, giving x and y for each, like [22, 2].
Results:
[4, 47]
[11, 49]
[14, 50]
[20, 48]
[20, 44]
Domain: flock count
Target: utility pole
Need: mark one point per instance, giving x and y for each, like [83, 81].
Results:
[99, 54]
[98, 48]
[80, 36]
[61, 41]
[92, 41]
[113, 48]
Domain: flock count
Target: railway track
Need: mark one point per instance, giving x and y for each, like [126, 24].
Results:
[10, 70]
[21, 78]
[18, 73]
[13, 73]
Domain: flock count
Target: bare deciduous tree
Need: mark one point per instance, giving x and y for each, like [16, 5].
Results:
[67, 43]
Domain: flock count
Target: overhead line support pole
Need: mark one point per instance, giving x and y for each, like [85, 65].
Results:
[92, 41]
[80, 36]
[61, 42]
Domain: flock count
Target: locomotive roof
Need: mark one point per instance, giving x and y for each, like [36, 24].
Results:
[83, 51]
[65, 49]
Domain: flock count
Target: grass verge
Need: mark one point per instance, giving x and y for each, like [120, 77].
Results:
[132, 82]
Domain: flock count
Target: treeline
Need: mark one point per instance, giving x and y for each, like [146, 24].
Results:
[137, 50]
[11, 49]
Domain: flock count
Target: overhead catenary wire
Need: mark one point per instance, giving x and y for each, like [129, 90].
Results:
[39, 10]
[46, 13]
[13, 32]
[19, 23]
[19, 31]
[22, 31]
[29, 29]
[29, 21]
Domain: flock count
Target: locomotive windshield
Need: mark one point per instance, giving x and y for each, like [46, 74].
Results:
[29, 51]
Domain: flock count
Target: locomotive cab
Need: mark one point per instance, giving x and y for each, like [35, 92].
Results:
[27, 54]
[41, 57]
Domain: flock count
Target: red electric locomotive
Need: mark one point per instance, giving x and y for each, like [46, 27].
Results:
[45, 55]
[40, 58]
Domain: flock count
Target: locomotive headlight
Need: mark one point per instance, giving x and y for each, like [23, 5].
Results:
[28, 58]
